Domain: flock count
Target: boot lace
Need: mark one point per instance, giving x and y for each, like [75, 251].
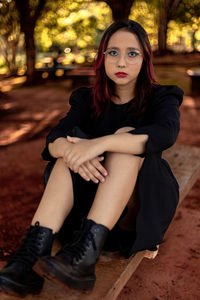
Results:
[27, 253]
[76, 249]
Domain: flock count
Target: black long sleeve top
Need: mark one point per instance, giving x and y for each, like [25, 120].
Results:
[158, 188]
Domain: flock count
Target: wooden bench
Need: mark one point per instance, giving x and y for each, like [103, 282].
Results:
[113, 271]
[54, 72]
[81, 76]
[195, 81]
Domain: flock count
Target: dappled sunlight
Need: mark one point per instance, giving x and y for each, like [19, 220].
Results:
[7, 85]
[192, 105]
[7, 106]
[189, 102]
[30, 116]
[6, 88]
[18, 80]
[11, 135]
[25, 125]
[38, 116]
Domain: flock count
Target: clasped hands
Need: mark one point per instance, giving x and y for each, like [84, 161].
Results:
[83, 156]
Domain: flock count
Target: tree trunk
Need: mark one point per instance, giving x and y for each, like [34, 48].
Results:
[120, 9]
[162, 33]
[4, 50]
[13, 47]
[194, 41]
[167, 12]
[30, 56]
[9, 56]
[28, 19]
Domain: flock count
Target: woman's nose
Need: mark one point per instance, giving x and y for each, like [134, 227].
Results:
[121, 60]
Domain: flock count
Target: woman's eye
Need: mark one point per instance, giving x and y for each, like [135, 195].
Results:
[113, 52]
[133, 54]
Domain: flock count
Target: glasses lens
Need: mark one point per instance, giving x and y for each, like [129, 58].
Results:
[131, 57]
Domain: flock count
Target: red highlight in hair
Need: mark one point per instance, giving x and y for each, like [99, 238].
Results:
[104, 87]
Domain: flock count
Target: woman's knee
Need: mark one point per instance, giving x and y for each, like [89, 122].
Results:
[59, 160]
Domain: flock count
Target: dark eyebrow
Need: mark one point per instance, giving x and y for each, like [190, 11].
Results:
[133, 48]
[129, 48]
[115, 48]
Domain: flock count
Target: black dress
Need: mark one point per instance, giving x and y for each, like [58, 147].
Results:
[158, 188]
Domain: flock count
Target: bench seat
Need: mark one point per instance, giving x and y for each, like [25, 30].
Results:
[113, 271]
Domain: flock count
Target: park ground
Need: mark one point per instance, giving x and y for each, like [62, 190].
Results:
[175, 272]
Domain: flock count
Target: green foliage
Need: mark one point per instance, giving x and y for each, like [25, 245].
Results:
[9, 18]
[188, 12]
[183, 31]
[188, 18]
[9, 33]
[75, 24]
[146, 13]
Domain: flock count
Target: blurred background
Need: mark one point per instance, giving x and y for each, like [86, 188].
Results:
[44, 39]
[47, 49]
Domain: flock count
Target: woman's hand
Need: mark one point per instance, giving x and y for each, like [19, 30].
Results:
[90, 169]
[93, 170]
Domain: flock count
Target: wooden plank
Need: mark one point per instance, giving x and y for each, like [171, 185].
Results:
[185, 164]
[81, 72]
[112, 270]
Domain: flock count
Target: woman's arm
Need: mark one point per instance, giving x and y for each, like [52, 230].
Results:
[159, 135]
[79, 101]
[89, 170]
[57, 148]
[125, 143]
[83, 150]
[165, 120]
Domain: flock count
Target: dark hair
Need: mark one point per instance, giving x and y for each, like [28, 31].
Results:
[104, 87]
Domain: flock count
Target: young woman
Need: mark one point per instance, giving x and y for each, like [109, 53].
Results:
[105, 170]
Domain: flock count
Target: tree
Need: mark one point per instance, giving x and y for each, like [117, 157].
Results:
[167, 12]
[120, 9]
[77, 25]
[29, 12]
[9, 34]
[188, 13]
[141, 12]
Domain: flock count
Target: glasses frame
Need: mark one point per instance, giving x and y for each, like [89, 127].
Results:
[110, 49]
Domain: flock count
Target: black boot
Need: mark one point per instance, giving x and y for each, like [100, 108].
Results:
[17, 278]
[74, 264]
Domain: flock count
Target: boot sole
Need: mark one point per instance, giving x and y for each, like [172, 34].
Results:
[12, 288]
[54, 272]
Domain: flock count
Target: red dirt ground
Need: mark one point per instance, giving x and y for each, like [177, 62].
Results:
[174, 274]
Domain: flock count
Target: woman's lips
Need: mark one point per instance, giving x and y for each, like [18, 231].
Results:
[121, 74]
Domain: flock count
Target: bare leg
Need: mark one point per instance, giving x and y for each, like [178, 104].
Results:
[116, 192]
[113, 195]
[128, 221]
[57, 200]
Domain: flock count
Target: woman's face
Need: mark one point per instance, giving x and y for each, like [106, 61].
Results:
[123, 58]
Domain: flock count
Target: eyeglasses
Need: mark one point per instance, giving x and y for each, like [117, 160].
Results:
[132, 57]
